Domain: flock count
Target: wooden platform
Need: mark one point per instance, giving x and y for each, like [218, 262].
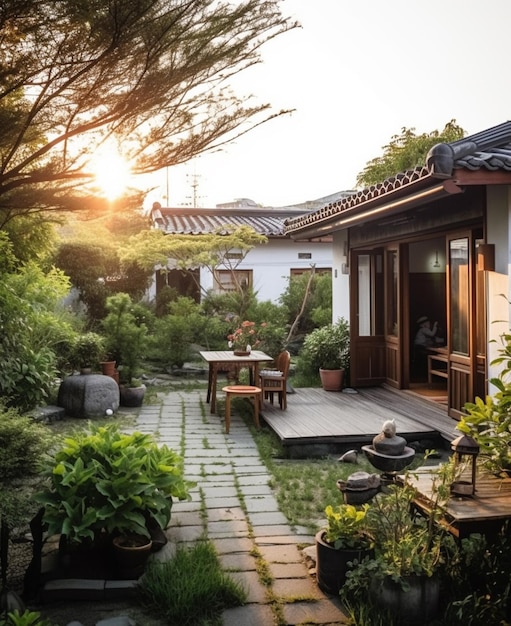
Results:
[318, 422]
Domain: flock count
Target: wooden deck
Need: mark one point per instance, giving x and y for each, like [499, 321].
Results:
[320, 422]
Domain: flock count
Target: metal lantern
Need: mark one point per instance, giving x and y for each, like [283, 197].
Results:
[464, 446]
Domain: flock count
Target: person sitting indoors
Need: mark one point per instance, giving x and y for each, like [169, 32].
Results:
[426, 334]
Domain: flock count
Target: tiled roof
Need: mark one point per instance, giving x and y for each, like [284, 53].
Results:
[268, 222]
[488, 150]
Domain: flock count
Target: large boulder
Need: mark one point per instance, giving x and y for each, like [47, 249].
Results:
[88, 395]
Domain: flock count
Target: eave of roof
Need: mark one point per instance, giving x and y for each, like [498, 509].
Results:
[489, 150]
[199, 221]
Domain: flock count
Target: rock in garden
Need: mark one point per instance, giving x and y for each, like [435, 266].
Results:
[88, 395]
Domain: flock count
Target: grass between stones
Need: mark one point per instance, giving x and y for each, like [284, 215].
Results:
[191, 589]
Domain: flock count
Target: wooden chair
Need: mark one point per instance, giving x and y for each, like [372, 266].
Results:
[275, 381]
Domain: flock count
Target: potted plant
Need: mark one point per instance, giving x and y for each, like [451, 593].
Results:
[344, 541]
[87, 350]
[104, 483]
[126, 342]
[327, 350]
[403, 577]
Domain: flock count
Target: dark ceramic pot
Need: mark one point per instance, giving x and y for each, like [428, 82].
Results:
[414, 604]
[332, 565]
[131, 553]
[132, 396]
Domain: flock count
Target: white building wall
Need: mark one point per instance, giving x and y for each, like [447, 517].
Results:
[271, 265]
[340, 277]
[498, 233]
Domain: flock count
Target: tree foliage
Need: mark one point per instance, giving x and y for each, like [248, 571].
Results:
[405, 152]
[90, 257]
[150, 248]
[149, 76]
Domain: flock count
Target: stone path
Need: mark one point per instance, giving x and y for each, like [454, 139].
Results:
[242, 516]
[234, 505]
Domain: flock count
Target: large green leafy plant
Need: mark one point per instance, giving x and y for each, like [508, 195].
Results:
[488, 421]
[105, 480]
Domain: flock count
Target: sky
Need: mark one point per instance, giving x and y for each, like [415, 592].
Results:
[356, 73]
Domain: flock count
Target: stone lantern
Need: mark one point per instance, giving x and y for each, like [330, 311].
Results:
[465, 446]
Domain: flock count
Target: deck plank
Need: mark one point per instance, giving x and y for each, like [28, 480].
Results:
[315, 416]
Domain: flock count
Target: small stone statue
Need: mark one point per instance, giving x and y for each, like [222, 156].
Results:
[387, 442]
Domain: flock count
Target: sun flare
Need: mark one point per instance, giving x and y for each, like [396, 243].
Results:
[111, 173]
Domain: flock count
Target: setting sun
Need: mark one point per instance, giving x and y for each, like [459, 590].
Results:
[111, 173]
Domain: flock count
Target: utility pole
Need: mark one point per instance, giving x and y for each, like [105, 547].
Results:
[195, 186]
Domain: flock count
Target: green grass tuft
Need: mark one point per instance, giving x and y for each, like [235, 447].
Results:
[191, 589]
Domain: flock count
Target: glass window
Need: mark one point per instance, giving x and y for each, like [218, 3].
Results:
[232, 280]
[392, 291]
[364, 295]
[459, 287]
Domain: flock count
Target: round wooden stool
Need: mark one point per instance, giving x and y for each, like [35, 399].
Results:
[241, 391]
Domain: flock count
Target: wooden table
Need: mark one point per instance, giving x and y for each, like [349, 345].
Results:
[217, 359]
[484, 513]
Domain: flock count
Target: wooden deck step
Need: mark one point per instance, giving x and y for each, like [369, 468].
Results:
[335, 420]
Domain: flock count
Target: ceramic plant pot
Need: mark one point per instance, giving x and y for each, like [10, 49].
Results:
[131, 553]
[332, 564]
[332, 380]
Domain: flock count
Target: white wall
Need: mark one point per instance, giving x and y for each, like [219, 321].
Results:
[271, 264]
[340, 277]
[498, 227]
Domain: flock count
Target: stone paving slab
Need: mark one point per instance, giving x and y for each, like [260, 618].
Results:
[323, 612]
[253, 479]
[288, 570]
[214, 491]
[231, 546]
[250, 615]
[241, 562]
[184, 533]
[250, 581]
[282, 534]
[259, 504]
[217, 515]
[281, 554]
[186, 518]
[257, 490]
[290, 589]
[231, 528]
[263, 519]
[221, 503]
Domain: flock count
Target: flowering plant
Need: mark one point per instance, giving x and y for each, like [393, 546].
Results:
[245, 335]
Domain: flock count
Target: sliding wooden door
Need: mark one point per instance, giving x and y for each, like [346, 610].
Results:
[367, 318]
[462, 320]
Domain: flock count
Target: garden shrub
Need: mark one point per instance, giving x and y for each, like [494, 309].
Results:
[23, 443]
[33, 325]
[318, 307]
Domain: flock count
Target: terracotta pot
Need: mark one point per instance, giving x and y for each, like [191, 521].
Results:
[332, 380]
[108, 368]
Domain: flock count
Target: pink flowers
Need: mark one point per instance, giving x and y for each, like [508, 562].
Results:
[245, 335]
